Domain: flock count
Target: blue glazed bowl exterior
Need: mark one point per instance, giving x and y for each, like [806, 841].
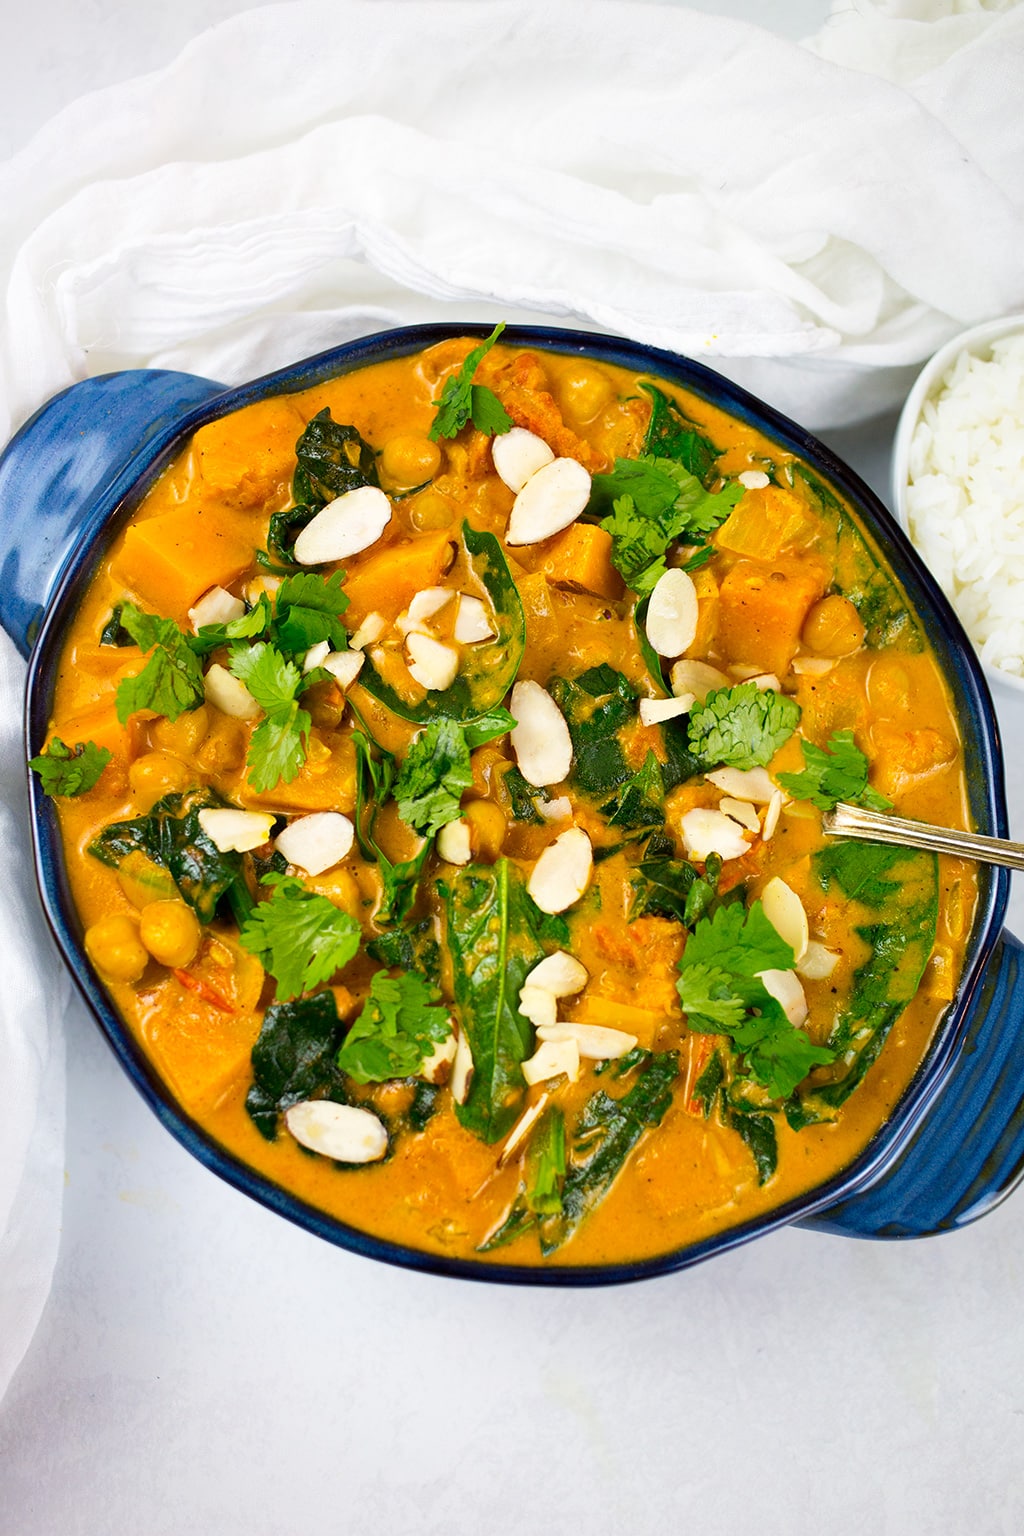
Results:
[57, 526]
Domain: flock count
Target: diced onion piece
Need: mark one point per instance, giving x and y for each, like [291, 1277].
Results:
[344, 667]
[433, 665]
[438, 1065]
[215, 607]
[233, 831]
[594, 1041]
[696, 677]
[462, 1069]
[518, 455]
[818, 963]
[561, 974]
[550, 500]
[771, 815]
[671, 622]
[563, 871]
[369, 631]
[553, 1058]
[229, 694]
[706, 831]
[786, 989]
[453, 842]
[753, 479]
[346, 526]
[472, 621]
[343, 1132]
[741, 811]
[316, 842]
[316, 655]
[753, 784]
[540, 740]
[785, 911]
[654, 711]
[538, 1005]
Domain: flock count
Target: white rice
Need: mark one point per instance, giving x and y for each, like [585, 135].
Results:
[965, 499]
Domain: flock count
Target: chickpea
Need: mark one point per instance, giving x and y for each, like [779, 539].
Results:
[487, 826]
[410, 460]
[156, 774]
[430, 511]
[224, 747]
[114, 947]
[833, 627]
[181, 736]
[170, 931]
[584, 392]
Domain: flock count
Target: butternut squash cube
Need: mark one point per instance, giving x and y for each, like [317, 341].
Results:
[580, 557]
[762, 608]
[387, 580]
[170, 561]
[249, 458]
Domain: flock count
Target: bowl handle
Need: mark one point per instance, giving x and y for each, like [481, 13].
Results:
[57, 473]
[969, 1152]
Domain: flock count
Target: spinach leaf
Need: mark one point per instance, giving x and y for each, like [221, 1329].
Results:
[412, 948]
[661, 887]
[332, 459]
[596, 705]
[113, 631]
[489, 669]
[397, 1030]
[640, 802]
[523, 797]
[294, 1059]
[172, 837]
[540, 1193]
[671, 436]
[758, 1133]
[495, 934]
[284, 529]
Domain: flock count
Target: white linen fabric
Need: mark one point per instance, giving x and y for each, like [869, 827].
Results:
[813, 220]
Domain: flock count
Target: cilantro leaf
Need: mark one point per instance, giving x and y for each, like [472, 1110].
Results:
[742, 727]
[65, 770]
[837, 771]
[171, 682]
[301, 938]
[654, 502]
[708, 1000]
[461, 400]
[277, 748]
[397, 1030]
[738, 940]
[307, 610]
[248, 626]
[432, 778]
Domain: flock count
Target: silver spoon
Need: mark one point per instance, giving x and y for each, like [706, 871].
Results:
[851, 821]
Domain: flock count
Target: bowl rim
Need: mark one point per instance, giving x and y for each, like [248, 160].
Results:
[957, 659]
[975, 339]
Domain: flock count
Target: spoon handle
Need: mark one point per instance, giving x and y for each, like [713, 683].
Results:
[851, 821]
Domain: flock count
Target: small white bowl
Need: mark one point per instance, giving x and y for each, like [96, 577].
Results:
[978, 341]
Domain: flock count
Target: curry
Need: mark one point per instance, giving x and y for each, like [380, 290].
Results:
[440, 756]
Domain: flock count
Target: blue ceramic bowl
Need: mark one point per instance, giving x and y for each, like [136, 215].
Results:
[954, 1145]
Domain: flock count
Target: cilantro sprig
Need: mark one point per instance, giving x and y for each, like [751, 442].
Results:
[837, 771]
[401, 1022]
[721, 992]
[742, 727]
[462, 401]
[654, 502]
[436, 770]
[306, 610]
[171, 682]
[277, 747]
[300, 937]
[65, 770]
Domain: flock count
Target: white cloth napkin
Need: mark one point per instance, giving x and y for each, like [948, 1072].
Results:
[812, 220]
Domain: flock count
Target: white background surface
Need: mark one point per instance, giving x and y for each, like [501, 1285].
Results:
[203, 1366]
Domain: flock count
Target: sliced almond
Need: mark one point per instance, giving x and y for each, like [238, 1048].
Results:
[786, 989]
[344, 667]
[550, 500]
[560, 974]
[654, 711]
[741, 811]
[559, 809]
[453, 842]
[316, 842]
[540, 740]
[228, 694]
[462, 1069]
[518, 455]
[813, 666]
[563, 871]
[538, 1005]
[553, 1058]
[233, 831]
[369, 631]
[772, 814]
[671, 622]
[753, 479]
[753, 784]
[425, 605]
[818, 962]
[766, 682]
[433, 665]
[215, 607]
[521, 1129]
[343, 1132]
[472, 621]
[785, 911]
[346, 526]
[316, 656]
[594, 1041]
[696, 677]
[706, 831]
[438, 1065]
[743, 671]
